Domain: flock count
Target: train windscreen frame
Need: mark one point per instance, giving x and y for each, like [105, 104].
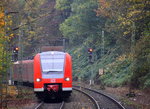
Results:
[52, 64]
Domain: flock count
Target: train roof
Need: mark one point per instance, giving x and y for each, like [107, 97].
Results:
[52, 53]
[24, 61]
[51, 48]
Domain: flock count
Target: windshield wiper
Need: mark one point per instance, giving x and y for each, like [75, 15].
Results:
[50, 72]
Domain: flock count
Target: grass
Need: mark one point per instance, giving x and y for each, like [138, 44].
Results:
[130, 103]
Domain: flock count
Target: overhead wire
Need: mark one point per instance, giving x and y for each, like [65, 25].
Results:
[29, 5]
[32, 21]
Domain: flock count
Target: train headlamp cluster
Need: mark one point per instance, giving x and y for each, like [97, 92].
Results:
[67, 79]
[38, 80]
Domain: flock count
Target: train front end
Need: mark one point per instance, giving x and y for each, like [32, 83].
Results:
[52, 74]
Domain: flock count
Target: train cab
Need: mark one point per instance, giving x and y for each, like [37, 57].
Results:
[52, 74]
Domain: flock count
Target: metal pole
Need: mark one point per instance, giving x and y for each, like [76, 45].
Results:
[20, 63]
[133, 38]
[103, 44]
[20, 54]
[64, 44]
[91, 75]
[92, 80]
[132, 48]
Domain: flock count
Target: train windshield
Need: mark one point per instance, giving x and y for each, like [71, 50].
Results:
[52, 64]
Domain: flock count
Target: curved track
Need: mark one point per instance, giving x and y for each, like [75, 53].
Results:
[44, 105]
[92, 98]
[104, 101]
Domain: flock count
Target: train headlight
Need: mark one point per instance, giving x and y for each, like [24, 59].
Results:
[38, 80]
[67, 79]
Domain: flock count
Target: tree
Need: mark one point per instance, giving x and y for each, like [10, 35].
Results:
[83, 21]
[132, 17]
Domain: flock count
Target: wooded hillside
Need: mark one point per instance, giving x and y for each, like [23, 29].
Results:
[123, 51]
[117, 30]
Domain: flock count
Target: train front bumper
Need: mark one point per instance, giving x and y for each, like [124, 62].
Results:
[64, 85]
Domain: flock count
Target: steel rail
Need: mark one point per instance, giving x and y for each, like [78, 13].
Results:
[107, 96]
[39, 105]
[42, 103]
[62, 105]
[92, 98]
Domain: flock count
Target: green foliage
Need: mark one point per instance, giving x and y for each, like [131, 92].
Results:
[4, 40]
[141, 66]
[147, 82]
[117, 72]
[41, 21]
[63, 4]
[117, 18]
[83, 21]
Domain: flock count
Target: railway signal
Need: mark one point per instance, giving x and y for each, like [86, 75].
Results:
[16, 49]
[15, 53]
[90, 52]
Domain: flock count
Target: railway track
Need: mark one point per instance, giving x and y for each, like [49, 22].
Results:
[92, 98]
[78, 100]
[104, 101]
[44, 105]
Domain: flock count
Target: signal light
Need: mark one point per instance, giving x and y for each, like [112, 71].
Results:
[90, 51]
[15, 53]
[16, 48]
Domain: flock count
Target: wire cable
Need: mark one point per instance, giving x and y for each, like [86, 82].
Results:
[32, 21]
[29, 5]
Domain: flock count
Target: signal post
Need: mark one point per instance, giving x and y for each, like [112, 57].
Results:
[90, 53]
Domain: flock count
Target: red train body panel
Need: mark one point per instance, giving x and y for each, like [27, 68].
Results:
[64, 81]
[23, 71]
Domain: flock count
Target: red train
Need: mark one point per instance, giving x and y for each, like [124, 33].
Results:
[51, 74]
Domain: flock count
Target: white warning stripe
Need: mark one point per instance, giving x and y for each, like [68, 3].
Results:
[67, 89]
[38, 89]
